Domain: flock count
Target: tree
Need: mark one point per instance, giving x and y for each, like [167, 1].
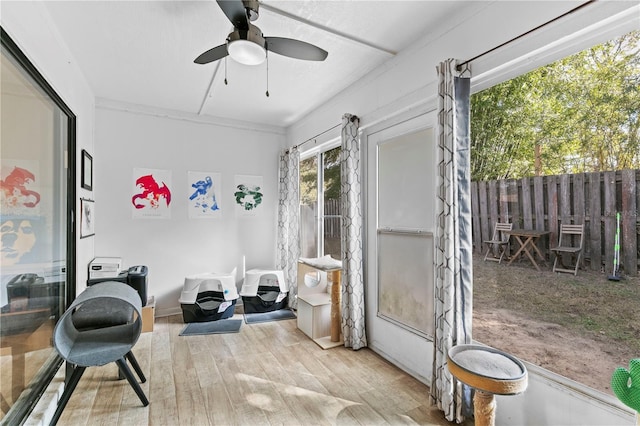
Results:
[309, 177]
[579, 114]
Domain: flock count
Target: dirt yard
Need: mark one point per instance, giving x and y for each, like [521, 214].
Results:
[579, 327]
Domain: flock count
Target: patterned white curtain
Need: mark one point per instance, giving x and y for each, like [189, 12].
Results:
[288, 250]
[453, 287]
[353, 328]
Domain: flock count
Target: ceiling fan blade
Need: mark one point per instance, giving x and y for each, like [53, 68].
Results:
[295, 49]
[211, 55]
[236, 12]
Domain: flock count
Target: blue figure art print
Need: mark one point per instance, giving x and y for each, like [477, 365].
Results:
[204, 193]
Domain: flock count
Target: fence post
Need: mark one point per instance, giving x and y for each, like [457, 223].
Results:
[514, 204]
[484, 217]
[578, 205]
[526, 204]
[609, 184]
[552, 210]
[595, 222]
[475, 215]
[629, 236]
[493, 204]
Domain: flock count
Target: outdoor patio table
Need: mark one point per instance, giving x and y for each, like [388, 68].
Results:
[530, 237]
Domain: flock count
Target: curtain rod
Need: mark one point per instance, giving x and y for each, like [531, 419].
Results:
[314, 137]
[461, 65]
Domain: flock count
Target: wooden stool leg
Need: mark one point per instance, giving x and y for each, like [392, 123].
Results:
[122, 365]
[68, 390]
[484, 408]
[336, 292]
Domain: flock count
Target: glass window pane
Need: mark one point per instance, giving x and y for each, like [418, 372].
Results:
[332, 213]
[34, 136]
[540, 170]
[309, 207]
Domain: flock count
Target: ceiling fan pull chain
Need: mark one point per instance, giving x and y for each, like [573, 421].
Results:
[267, 57]
[225, 71]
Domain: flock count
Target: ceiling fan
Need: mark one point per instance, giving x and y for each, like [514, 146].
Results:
[246, 43]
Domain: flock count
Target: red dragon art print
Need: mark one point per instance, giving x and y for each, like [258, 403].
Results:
[14, 189]
[151, 192]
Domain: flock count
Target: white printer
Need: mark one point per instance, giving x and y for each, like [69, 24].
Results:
[105, 267]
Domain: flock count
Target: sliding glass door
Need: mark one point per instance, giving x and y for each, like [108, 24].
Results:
[37, 189]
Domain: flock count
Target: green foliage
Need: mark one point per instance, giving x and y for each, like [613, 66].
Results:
[582, 112]
[309, 177]
[309, 181]
[332, 174]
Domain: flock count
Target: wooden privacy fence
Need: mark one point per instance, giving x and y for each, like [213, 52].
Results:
[543, 202]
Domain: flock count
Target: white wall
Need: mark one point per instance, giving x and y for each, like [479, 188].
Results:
[30, 27]
[176, 247]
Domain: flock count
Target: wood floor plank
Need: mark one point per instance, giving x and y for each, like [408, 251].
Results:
[267, 395]
[163, 412]
[236, 389]
[248, 414]
[267, 374]
[336, 387]
[78, 409]
[274, 370]
[430, 415]
[190, 399]
[161, 383]
[218, 406]
[365, 415]
[340, 364]
[109, 395]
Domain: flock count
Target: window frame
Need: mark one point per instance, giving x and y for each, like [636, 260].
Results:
[318, 152]
[23, 407]
[497, 68]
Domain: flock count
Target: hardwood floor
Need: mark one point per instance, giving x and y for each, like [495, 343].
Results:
[267, 374]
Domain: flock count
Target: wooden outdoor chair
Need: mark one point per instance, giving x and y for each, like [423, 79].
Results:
[569, 234]
[499, 242]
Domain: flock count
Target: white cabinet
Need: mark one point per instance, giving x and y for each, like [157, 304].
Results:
[314, 315]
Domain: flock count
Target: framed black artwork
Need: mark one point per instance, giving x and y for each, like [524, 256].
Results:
[87, 171]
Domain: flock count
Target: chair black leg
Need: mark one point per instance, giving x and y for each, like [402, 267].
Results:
[134, 363]
[68, 390]
[122, 365]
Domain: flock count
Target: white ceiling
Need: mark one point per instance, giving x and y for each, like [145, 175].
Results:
[142, 52]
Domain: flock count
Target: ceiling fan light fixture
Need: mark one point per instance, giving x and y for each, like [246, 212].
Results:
[246, 52]
[247, 47]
